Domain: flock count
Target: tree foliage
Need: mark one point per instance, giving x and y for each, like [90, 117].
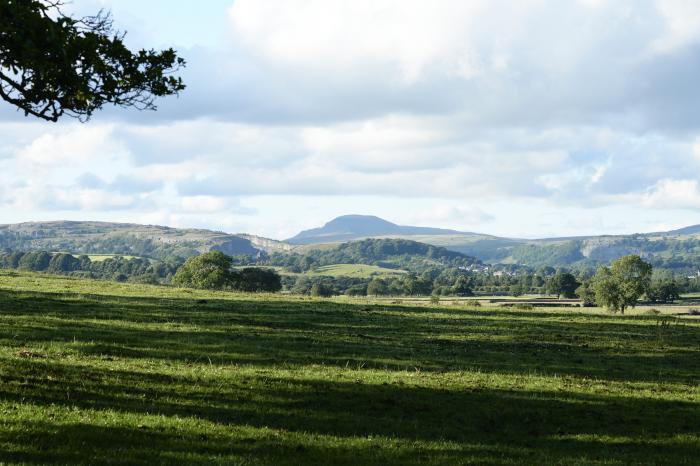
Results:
[389, 253]
[36, 260]
[52, 64]
[586, 293]
[257, 279]
[563, 284]
[62, 263]
[321, 290]
[211, 270]
[663, 292]
[623, 283]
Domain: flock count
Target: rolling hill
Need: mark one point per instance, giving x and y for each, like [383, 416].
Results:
[129, 239]
[676, 249]
[352, 227]
[390, 253]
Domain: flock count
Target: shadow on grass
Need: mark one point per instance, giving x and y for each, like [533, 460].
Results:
[481, 424]
[267, 333]
[262, 418]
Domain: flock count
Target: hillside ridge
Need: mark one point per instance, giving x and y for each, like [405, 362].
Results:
[351, 227]
[129, 238]
[674, 249]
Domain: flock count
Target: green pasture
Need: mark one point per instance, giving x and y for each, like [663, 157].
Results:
[354, 270]
[102, 257]
[95, 372]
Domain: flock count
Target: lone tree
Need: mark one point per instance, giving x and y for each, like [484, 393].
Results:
[52, 64]
[621, 285]
[563, 283]
[211, 270]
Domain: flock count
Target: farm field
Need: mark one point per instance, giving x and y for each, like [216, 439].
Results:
[354, 271]
[102, 257]
[338, 270]
[95, 372]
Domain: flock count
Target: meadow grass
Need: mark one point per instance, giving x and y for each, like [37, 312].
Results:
[94, 372]
[354, 270]
[103, 257]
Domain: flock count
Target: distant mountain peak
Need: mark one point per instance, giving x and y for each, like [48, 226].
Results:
[354, 226]
[360, 224]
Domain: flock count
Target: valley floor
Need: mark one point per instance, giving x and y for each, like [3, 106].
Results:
[106, 373]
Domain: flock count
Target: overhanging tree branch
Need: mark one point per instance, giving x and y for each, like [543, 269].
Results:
[53, 65]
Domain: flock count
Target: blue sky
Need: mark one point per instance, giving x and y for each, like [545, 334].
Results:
[529, 118]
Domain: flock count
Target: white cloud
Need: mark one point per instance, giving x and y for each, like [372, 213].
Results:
[449, 105]
[452, 216]
[78, 145]
[673, 193]
[682, 24]
[408, 36]
[203, 204]
[38, 196]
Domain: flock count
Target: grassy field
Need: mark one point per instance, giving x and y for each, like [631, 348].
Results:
[354, 270]
[102, 257]
[339, 270]
[106, 373]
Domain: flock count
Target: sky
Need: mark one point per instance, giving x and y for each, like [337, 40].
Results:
[526, 118]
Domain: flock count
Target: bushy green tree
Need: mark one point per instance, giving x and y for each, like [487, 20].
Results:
[586, 293]
[302, 285]
[563, 284]
[663, 292]
[462, 287]
[623, 283]
[376, 287]
[211, 270]
[37, 261]
[63, 263]
[321, 290]
[417, 286]
[257, 279]
[10, 260]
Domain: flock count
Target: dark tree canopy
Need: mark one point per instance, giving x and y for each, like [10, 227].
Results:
[623, 283]
[563, 283]
[211, 270]
[52, 64]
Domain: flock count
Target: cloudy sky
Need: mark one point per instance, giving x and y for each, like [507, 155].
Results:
[519, 118]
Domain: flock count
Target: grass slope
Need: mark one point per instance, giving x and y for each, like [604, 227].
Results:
[103, 257]
[105, 373]
[354, 270]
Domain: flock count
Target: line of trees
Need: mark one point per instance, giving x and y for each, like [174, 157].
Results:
[135, 269]
[616, 287]
[213, 271]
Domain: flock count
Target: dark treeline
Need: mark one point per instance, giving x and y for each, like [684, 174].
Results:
[432, 273]
[437, 271]
[118, 268]
[458, 282]
[143, 270]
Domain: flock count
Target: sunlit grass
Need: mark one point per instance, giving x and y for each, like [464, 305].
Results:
[105, 373]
